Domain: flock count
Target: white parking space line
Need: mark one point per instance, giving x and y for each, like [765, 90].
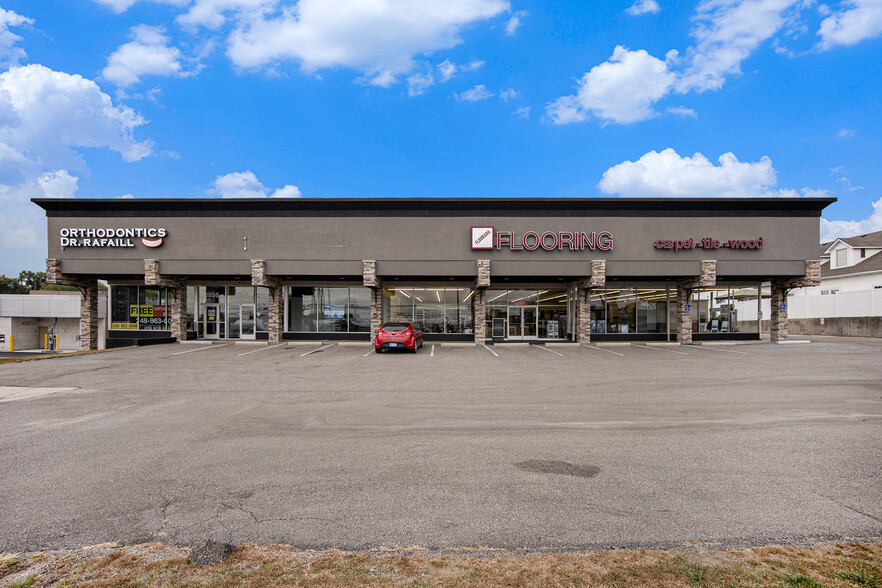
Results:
[201, 348]
[715, 349]
[369, 352]
[602, 349]
[432, 353]
[543, 348]
[317, 350]
[662, 349]
[261, 349]
[490, 350]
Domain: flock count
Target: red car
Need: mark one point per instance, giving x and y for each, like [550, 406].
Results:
[398, 335]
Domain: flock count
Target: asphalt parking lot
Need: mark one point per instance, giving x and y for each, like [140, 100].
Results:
[516, 446]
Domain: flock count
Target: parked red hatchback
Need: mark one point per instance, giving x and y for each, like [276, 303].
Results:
[398, 335]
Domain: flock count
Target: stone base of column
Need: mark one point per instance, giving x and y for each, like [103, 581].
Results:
[89, 317]
[276, 314]
[179, 313]
[778, 326]
[583, 315]
[480, 315]
[684, 319]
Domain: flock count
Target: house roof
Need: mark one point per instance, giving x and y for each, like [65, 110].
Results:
[870, 264]
[868, 240]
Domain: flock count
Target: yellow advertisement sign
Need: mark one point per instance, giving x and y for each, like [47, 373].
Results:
[124, 326]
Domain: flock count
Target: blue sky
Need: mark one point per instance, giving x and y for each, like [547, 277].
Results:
[437, 98]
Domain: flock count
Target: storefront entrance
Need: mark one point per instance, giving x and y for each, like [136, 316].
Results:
[522, 322]
[214, 321]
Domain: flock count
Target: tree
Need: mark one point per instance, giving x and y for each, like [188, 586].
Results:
[31, 280]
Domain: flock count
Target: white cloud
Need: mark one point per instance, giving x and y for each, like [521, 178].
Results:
[417, 84]
[643, 7]
[48, 114]
[9, 53]
[840, 228]
[147, 54]
[667, 174]
[845, 134]
[211, 13]
[682, 111]
[523, 112]
[508, 94]
[727, 32]
[379, 39]
[58, 184]
[516, 21]
[446, 70]
[246, 185]
[621, 90]
[477, 93]
[288, 191]
[23, 225]
[120, 6]
[861, 20]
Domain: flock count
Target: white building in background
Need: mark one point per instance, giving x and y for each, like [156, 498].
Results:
[26, 320]
[851, 281]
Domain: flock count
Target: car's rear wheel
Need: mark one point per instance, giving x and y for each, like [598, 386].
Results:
[378, 349]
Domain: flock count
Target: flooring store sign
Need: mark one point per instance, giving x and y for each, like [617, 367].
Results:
[490, 238]
[150, 237]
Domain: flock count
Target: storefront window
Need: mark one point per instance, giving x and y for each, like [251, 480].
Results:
[359, 310]
[262, 301]
[652, 306]
[398, 304]
[331, 305]
[597, 302]
[432, 310]
[139, 308]
[622, 311]
[301, 309]
[744, 316]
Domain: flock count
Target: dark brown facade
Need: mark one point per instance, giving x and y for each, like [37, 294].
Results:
[577, 246]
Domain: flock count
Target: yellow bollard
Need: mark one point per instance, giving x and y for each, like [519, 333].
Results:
[46, 342]
[11, 346]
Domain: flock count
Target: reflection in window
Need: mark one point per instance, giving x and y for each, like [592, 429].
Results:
[329, 310]
[432, 310]
[140, 308]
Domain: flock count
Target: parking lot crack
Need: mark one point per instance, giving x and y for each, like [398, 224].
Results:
[851, 508]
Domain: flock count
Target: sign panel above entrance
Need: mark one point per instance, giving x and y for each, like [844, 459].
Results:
[488, 238]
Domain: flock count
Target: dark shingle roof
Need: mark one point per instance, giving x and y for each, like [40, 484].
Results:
[868, 240]
[870, 264]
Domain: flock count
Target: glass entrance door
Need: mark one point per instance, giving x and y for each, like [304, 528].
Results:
[212, 320]
[246, 321]
[522, 322]
[514, 322]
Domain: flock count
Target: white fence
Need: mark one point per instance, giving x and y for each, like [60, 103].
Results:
[842, 304]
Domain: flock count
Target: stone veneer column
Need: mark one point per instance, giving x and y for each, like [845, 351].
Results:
[706, 279]
[179, 312]
[479, 304]
[780, 286]
[778, 327]
[89, 317]
[276, 309]
[370, 280]
[583, 315]
[88, 304]
[684, 319]
[583, 299]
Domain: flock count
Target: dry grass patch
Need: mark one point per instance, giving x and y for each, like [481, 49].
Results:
[839, 565]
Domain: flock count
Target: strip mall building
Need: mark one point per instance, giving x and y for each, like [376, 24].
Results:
[580, 270]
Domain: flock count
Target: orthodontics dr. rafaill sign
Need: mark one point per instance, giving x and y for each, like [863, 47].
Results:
[118, 237]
